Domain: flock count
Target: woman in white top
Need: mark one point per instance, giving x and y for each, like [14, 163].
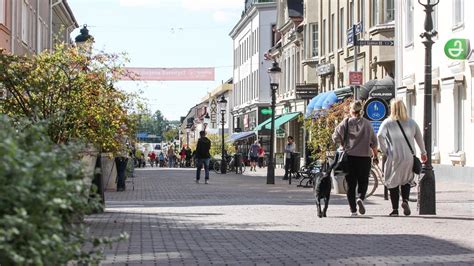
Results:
[399, 164]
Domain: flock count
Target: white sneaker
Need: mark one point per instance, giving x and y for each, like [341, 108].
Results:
[353, 214]
[206, 182]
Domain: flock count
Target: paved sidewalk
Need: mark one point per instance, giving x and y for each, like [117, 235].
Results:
[239, 220]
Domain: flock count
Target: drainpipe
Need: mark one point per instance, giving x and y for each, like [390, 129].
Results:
[51, 21]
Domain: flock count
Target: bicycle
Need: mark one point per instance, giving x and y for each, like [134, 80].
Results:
[230, 161]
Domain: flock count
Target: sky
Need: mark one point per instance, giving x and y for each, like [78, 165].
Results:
[165, 33]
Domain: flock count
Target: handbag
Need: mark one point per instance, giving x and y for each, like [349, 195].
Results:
[342, 158]
[416, 161]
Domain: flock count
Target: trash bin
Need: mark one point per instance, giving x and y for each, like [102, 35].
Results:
[295, 162]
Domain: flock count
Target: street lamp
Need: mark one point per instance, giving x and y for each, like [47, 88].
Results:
[83, 39]
[206, 121]
[274, 73]
[427, 196]
[223, 105]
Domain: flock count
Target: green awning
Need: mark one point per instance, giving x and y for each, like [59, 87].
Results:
[261, 125]
[283, 119]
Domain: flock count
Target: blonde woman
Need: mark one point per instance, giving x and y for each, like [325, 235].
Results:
[399, 163]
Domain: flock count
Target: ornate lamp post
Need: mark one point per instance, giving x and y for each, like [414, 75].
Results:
[206, 121]
[274, 73]
[427, 197]
[82, 40]
[223, 105]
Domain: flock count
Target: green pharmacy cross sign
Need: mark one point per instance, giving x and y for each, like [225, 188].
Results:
[457, 49]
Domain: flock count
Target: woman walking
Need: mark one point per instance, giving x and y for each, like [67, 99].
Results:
[397, 135]
[360, 141]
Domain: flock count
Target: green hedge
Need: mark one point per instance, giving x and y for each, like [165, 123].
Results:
[43, 200]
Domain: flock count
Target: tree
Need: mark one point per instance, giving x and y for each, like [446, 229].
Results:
[72, 91]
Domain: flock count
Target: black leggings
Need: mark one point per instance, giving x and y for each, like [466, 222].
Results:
[358, 177]
[395, 194]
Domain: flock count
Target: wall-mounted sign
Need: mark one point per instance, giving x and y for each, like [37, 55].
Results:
[355, 78]
[266, 111]
[325, 69]
[457, 49]
[280, 133]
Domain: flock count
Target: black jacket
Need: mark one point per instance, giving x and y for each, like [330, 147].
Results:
[202, 149]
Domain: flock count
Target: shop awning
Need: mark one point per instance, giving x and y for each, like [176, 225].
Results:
[241, 135]
[266, 122]
[283, 119]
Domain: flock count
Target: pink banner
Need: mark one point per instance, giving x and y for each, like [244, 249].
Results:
[142, 73]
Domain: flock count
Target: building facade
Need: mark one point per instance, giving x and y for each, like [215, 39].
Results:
[252, 37]
[5, 25]
[452, 90]
[375, 20]
[289, 53]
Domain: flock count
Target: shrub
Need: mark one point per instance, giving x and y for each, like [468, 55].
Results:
[43, 199]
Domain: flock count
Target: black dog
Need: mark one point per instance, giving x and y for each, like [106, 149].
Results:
[322, 190]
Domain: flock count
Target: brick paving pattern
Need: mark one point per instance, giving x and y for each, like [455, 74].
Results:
[239, 220]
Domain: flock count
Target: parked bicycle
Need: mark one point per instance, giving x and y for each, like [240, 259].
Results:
[231, 165]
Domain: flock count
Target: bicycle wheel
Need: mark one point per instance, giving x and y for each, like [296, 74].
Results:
[217, 166]
[373, 183]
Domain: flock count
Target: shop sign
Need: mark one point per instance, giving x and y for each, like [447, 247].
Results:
[325, 69]
[280, 133]
[457, 49]
[266, 111]
[213, 111]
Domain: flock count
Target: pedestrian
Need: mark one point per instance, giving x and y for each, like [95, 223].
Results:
[261, 156]
[289, 150]
[171, 157]
[253, 155]
[161, 158]
[202, 156]
[152, 158]
[182, 155]
[189, 155]
[397, 135]
[361, 139]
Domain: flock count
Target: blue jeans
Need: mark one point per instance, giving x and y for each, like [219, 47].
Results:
[200, 162]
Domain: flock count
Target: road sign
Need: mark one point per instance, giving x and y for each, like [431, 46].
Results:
[376, 42]
[457, 49]
[355, 78]
[376, 110]
[355, 29]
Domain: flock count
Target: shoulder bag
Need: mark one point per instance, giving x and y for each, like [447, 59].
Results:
[342, 158]
[416, 162]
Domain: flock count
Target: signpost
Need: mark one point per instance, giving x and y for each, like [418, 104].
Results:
[457, 49]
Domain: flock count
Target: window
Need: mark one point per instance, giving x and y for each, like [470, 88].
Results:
[459, 117]
[351, 13]
[389, 11]
[25, 22]
[458, 13]
[342, 29]
[315, 39]
[409, 23]
[362, 11]
[3, 11]
[375, 12]
[323, 37]
[332, 33]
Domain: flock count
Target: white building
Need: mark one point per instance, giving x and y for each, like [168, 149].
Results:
[453, 106]
[252, 37]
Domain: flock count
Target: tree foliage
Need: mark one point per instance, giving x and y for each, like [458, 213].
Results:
[73, 91]
[321, 128]
[43, 198]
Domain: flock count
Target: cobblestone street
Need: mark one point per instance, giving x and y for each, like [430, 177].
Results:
[240, 220]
